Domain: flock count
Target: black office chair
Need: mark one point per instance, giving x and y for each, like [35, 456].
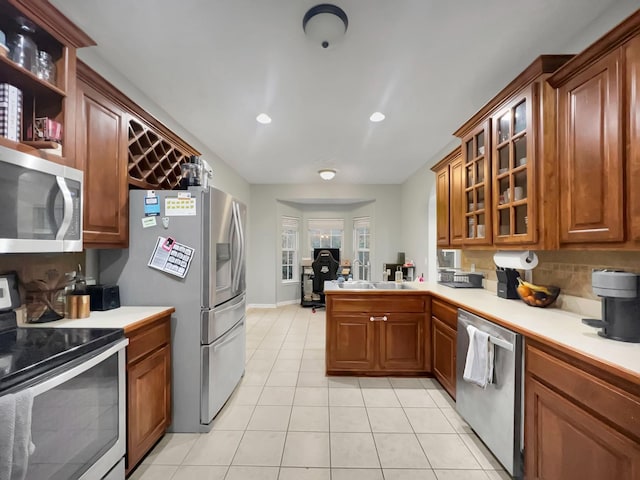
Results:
[325, 267]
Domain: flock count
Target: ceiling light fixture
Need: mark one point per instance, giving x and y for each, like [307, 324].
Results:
[327, 173]
[325, 24]
[263, 118]
[377, 117]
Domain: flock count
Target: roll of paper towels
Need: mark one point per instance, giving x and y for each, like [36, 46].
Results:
[521, 260]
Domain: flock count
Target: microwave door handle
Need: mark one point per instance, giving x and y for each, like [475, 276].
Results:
[67, 208]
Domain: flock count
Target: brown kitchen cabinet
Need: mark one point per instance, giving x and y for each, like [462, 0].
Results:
[443, 345]
[40, 98]
[580, 423]
[513, 155]
[101, 152]
[401, 342]
[597, 142]
[378, 334]
[449, 196]
[509, 157]
[148, 386]
[476, 185]
[351, 343]
[632, 62]
[590, 144]
[118, 145]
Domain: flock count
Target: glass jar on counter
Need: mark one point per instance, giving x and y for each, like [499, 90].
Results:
[46, 68]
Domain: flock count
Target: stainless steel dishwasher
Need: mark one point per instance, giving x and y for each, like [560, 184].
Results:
[494, 412]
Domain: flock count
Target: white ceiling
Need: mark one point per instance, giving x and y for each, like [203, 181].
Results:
[213, 65]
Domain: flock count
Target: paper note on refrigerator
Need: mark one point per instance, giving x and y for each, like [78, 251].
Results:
[179, 206]
[171, 257]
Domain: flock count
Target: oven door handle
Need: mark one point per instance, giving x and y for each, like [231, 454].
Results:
[78, 369]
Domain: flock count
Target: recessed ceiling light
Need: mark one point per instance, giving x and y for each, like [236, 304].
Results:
[327, 173]
[263, 118]
[377, 117]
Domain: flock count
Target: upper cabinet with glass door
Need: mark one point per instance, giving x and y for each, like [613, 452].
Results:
[477, 185]
[513, 165]
[509, 156]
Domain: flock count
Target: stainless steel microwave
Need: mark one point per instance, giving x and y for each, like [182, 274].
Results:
[40, 205]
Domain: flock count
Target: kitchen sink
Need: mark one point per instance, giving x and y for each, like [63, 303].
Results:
[360, 285]
[356, 285]
[392, 286]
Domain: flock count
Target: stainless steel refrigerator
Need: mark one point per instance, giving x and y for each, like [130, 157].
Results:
[208, 327]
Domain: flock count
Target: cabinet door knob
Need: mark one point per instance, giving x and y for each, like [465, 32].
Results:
[373, 319]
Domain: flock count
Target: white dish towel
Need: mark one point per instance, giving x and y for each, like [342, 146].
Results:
[7, 429]
[15, 434]
[478, 368]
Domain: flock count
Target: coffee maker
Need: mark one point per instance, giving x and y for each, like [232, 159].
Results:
[620, 305]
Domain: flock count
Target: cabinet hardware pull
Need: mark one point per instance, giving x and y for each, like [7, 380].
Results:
[373, 319]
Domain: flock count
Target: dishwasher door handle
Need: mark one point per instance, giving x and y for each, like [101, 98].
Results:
[498, 342]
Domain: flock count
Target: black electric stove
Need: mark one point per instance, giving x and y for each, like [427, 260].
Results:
[29, 352]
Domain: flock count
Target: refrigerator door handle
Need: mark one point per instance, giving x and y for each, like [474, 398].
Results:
[242, 245]
[231, 336]
[236, 247]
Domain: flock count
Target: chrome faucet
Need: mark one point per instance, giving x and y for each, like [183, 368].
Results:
[355, 271]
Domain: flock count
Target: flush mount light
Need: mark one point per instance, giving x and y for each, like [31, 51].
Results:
[327, 173]
[325, 24]
[263, 118]
[377, 117]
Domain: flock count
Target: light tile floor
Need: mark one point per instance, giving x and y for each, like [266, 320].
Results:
[288, 421]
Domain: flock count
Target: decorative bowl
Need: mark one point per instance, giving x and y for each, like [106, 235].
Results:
[539, 298]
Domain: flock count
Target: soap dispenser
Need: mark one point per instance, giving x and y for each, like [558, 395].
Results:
[399, 274]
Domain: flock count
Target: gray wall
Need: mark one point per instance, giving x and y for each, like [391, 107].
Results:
[418, 192]
[382, 203]
[419, 216]
[224, 176]
[615, 14]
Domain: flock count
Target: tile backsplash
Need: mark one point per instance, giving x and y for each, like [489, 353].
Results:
[34, 266]
[569, 270]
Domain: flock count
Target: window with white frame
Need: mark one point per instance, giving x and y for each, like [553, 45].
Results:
[326, 233]
[362, 246]
[289, 249]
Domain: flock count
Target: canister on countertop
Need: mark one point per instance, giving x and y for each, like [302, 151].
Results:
[78, 306]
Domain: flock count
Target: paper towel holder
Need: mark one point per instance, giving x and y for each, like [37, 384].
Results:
[525, 260]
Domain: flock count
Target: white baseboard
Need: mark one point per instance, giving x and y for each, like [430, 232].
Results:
[261, 305]
[288, 302]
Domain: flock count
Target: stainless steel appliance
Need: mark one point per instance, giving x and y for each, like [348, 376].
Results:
[620, 305]
[208, 327]
[64, 391]
[41, 205]
[494, 412]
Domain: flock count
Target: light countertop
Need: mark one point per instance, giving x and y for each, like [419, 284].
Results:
[551, 324]
[126, 318]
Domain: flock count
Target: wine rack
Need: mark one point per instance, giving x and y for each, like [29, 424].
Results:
[154, 163]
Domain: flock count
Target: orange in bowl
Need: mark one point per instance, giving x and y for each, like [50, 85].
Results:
[536, 298]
